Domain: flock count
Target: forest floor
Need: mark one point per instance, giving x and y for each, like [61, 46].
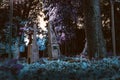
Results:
[68, 68]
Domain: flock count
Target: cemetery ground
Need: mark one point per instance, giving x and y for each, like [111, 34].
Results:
[66, 68]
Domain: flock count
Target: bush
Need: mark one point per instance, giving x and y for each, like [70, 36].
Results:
[67, 69]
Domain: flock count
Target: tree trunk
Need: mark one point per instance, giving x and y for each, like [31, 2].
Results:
[10, 29]
[113, 27]
[35, 48]
[93, 29]
[29, 53]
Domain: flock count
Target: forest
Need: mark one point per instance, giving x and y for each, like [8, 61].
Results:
[59, 40]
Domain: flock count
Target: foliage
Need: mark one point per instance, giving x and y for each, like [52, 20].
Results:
[41, 43]
[74, 68]
[9, 69]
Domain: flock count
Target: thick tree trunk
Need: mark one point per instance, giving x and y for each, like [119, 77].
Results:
[93, 29]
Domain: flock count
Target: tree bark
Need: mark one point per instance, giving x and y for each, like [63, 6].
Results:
[10, 29]
[29, 53]
[93, 29]
[113, 27]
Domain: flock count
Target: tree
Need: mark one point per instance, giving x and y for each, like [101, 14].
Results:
[93, 28]
[113, 27]
[10, 28]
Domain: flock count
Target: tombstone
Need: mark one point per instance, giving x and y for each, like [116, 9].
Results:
[15, 50]
[35, 48]
[53, 47]
[22, 48]
[2, 48]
